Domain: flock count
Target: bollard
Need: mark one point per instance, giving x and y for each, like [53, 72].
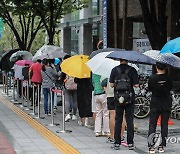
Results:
[38, 97]
[63, 122]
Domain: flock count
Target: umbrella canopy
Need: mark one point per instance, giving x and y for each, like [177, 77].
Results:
[172, 46]
[101, 65]
[24, 62]
[166, 58]
[5, 63]
[104, 50]
[132, 56]
[49, 52]
[75, 66]
[23, 54]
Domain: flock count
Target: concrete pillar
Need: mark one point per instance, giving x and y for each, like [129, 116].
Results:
[85, 31]
[67, 40]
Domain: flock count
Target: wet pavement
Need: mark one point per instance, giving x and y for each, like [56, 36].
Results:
[25, 139]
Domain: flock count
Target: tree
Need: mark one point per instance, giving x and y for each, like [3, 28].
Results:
[155, 21]
[28, 22]
[51, 11]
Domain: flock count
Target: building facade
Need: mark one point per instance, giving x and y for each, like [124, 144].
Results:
[82, 29]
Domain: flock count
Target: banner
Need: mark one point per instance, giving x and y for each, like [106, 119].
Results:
[105, 23]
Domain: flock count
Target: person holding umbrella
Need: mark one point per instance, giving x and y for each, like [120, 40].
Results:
[160, 84]
[123, 78]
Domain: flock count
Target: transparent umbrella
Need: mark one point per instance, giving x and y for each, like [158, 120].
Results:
[25, 55]
[49, 52]
[166, 58]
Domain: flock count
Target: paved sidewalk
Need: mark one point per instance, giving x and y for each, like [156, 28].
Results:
[81, 138]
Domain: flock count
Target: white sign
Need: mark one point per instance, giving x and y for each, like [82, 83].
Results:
[143, 45]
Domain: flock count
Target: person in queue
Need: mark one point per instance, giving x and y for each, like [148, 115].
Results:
[160, 85]
[36, 79]
[123, 78]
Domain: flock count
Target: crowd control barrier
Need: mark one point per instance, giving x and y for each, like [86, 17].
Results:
[52, 104]
[63, 112]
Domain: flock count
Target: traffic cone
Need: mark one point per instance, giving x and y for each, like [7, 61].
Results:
[169, 121]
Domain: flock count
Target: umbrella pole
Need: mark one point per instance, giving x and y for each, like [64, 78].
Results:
[63, 121]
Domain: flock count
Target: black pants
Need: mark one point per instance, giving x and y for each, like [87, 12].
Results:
[129, 114]
[154, 115]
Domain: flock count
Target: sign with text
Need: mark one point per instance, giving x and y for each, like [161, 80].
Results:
[143, 45]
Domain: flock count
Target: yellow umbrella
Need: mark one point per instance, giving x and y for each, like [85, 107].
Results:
[75, 66]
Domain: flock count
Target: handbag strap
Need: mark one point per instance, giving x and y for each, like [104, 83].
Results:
[49, 76]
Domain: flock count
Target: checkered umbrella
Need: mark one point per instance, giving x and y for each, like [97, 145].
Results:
[166, 58]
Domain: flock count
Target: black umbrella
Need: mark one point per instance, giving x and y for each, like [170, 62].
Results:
[132, 56]
[5, 63]
[104, 50]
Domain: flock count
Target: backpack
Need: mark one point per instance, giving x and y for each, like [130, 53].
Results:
[122, 87]
[70, 84]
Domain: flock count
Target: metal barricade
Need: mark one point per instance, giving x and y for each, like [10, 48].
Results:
[27, 95]
[63, 120]
[38, 98]
[52, 109]
[14, 88]
[33, 101]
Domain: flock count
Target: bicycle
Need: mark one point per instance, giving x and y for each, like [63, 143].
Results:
[142, 100]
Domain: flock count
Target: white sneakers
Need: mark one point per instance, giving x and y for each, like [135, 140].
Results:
[74, 118]
[68, 117]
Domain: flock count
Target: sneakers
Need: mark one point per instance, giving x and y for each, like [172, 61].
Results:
[151, 150]
[160, 149]
[116, 146]
[55, 108]
[110, 140]
[106, 134]
[67, 118]
[88, 126]
[98, 134]
[80, 123]
[131, 146]
[123, 139]
[74, 118]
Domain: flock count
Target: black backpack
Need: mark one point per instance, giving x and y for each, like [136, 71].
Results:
[122, 87]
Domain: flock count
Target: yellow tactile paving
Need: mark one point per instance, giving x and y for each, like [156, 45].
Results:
[55, 140]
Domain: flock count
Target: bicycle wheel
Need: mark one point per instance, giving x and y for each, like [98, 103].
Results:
[142, 107]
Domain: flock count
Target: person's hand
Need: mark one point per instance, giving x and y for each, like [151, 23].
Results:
[52, 65]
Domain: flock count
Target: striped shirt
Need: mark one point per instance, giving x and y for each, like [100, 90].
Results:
[49, 76]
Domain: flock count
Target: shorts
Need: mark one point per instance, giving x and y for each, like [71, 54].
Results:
[110, 103]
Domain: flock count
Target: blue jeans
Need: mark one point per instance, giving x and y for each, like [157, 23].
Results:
[46, 93]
